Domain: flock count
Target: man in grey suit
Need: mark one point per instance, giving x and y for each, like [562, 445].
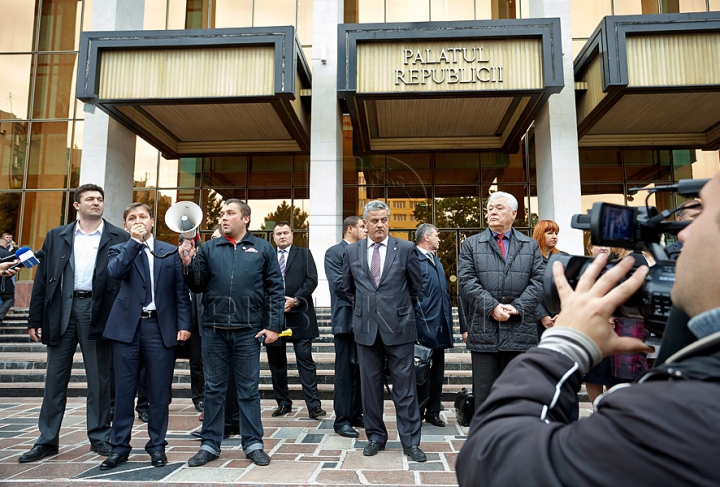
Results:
[347, 401]
[382, 278]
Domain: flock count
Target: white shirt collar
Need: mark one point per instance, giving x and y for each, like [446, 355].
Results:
[372, 242]
[79, 231]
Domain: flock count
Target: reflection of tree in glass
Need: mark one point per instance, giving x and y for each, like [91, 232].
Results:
[9, 212]
[298, 220]
[212, 210]
[162, 232]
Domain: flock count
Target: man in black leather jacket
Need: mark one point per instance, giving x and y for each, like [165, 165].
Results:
[662, 431]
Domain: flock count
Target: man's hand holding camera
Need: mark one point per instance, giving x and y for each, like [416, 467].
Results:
[589, 307]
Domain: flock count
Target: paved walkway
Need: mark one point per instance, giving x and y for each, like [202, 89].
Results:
[304, 451]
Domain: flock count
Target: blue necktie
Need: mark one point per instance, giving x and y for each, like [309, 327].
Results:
[146, 274]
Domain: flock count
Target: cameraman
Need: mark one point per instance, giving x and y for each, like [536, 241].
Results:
[662, 431]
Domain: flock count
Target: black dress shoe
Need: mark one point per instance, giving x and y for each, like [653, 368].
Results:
[103, 448]
[200, 406]
[358, 424]
[281, 411]
[144, 416]
[435, 420]
[201, 458]
[347, 431]
[37, 452]
[113, 461]
[372, 448]
[316, 412]
[415, 454]
[158, 458]
[258, 457]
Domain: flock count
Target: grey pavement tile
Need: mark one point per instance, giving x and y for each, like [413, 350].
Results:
[390, 445]
[10, 434]
[426, 466]
[288, 432]
[7, 406]
[330, 465]
[313, 438]
[326, 424]
[432, 457]
[197, 475]
[131, 471]
[25, 421]
[433, 438]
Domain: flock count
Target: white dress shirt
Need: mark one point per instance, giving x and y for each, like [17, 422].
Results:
[85, 249]
[383, 252]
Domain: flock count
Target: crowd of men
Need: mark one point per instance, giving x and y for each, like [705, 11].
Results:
[132, 301]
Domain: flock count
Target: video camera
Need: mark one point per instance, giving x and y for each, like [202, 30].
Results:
[636, 229]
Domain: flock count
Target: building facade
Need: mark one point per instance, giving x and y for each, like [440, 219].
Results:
[307, 109]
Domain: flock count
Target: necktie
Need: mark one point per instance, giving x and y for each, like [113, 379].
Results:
[501, 244]
[375, 264]
[282, 263]
[430, 259]
[146, 275]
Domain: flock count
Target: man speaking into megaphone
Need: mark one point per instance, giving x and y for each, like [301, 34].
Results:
[150, 316]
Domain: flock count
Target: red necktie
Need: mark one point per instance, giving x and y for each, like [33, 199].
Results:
[501, 244]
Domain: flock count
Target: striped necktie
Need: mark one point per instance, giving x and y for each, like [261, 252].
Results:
[281, 261]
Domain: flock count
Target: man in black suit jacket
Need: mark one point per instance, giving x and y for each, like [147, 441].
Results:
[347, 399]
[300, 277]
[150, 316]
[382, 278]
[64, 315]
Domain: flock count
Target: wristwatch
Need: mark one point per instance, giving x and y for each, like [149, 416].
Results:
[296, 302]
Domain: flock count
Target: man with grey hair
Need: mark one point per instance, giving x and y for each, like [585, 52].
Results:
[382, 279]
[500, 274]
[433, 315]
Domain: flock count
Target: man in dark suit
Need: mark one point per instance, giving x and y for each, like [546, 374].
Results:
[347, 399]
[382, 278]
[433, 315]
[150, 316]
[76, 255]
[300, 277]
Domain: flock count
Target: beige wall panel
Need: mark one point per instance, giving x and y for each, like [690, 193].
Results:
[379, 66]
[239, 121]
[299, 108]
[444, 143]
[663, 113]
[237, 147]
[187, 73]
[674, 60]
[594, 93]
[442, 117]
[140, 118]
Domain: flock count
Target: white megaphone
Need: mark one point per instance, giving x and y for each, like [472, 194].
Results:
[184, 217]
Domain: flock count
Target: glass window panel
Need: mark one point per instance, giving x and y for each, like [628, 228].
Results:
[647, 165]
[269, 208]
[370, 11]
[301, 213]
[43, 212]
[452, 10]
[714, 5]
[662, 201]
[160, 201]
[403, 202]
[154, 17]
[277, 12]
[225, 171]
[233, 13]
[55, 86]
[176, 14]
[593, 193]
[705, 166]
[304, 21]
[301, 174]
[455, 207]
[13, 142]
[518, 191]
[370, 169]
[49, 158]
[693, 6]
[407, 10]
[457, 168]
[504, 9]
[76, 154]
[483, 9]
[198, 15]
[402, 235]
[301, 193]
[448, 254]
[15, 86]
[270, 171]
[669, 6]
[211, 205]
[585, 16]
[600, 165]
[59, 21]
[682, 163]
[409, 169]
[627, 7]
[10, 204]
[181, 173]
[17, 25]
[524, 9]
[498, 167]
[146, 165]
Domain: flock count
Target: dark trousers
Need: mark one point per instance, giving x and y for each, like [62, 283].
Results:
[486, 368]
[430, 393]
[147, 347]
[347, 398]
[277, 361]
[97, 356]
[8, 301]
[197, 379]
[232, 410]
[404, 395]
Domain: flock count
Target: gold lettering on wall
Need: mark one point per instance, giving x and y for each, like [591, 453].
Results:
[440, 66]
